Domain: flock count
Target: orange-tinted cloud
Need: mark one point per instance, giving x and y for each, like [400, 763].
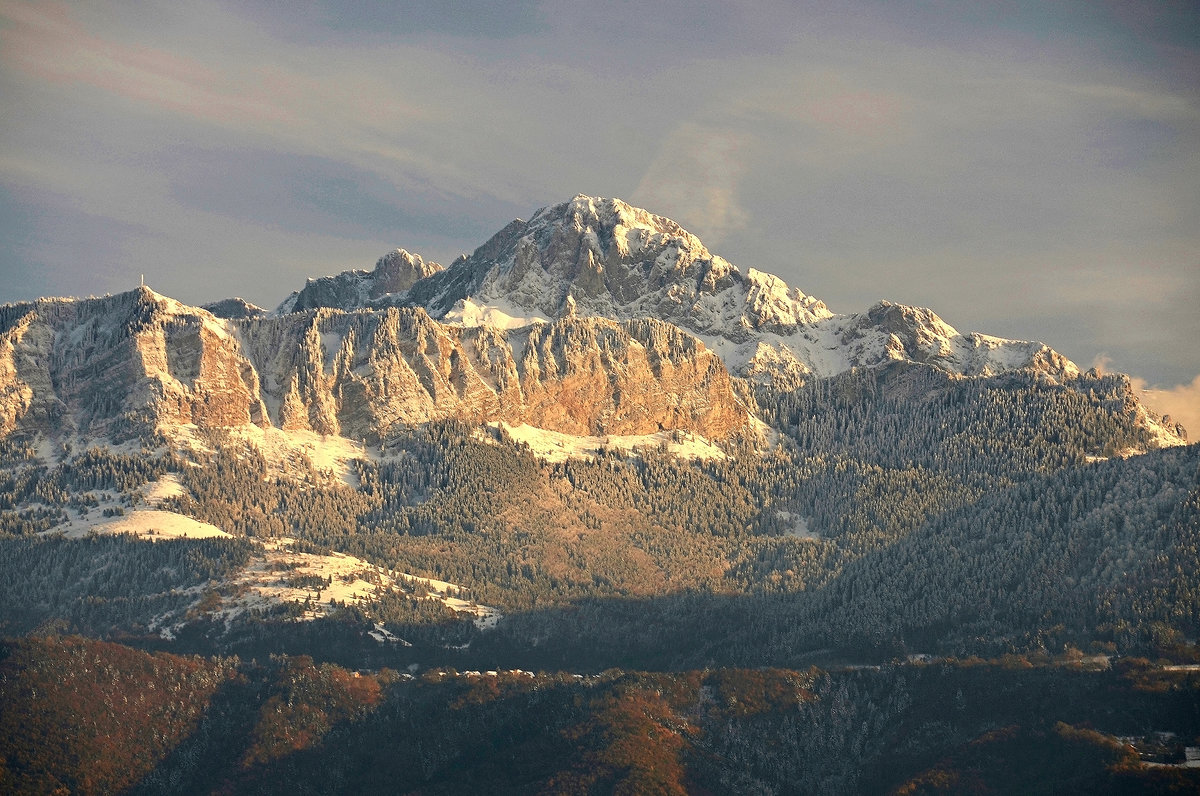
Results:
[1181, 402]
[45, 42]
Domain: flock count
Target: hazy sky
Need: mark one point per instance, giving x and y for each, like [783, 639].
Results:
[1030, 170]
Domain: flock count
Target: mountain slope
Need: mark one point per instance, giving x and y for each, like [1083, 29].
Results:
[603, 257]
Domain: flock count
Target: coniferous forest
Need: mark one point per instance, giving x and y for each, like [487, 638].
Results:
[920, 584]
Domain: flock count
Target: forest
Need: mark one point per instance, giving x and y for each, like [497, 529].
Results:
[920, 581]
[896, 510]
[88, 717]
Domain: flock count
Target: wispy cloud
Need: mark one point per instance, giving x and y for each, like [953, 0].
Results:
[44, 41]
[695, 177]
[1181, 403]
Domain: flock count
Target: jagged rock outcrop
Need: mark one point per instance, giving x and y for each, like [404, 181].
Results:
[120, 366]
[395, 272]
[137, 362]
[359, 373]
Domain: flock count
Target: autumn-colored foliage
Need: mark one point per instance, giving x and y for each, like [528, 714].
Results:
[80, 716]
[308, 702]
[631, 743]
[83, 716]
[747, 692]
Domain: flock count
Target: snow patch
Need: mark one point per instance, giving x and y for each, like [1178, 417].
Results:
[799, 527]
[168, 486]
[553, 446]
[497, 313]
[143, 523]
[289, 453]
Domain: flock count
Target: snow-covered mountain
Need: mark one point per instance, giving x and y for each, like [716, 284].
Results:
[592, 318]
[395, 272]
[139, 363]
[604, 258]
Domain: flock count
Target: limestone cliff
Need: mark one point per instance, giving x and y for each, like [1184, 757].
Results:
[358, 373]
[128, 364]
[119, 366]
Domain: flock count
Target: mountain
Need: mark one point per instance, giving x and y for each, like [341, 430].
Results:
[139, 364]
[602, 257]
[592, 318]
[336, 539]
[234, 309]
[119, 366]
[395, 272]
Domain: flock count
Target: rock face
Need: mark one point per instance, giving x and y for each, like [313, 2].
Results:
[132, 363]
[357, 374]
[604, 258]
[120, 366]
[395, 272]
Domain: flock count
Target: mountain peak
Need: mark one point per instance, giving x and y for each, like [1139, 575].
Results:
[603, 257]
[395, 272]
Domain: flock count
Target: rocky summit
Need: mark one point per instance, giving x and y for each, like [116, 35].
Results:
[590, 510]
[593, 317]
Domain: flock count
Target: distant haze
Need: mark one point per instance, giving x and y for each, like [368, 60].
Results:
[1026, 169]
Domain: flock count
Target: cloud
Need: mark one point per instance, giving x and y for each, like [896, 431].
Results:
[694, 178]
[1181, 403]
[1032, 179]
[45, 42]
[1102, 363]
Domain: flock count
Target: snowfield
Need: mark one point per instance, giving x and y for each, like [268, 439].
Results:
[144, 523]
[272, 579]
[278, 574]
[553, 446]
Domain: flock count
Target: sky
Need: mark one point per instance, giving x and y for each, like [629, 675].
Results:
[1025, 169]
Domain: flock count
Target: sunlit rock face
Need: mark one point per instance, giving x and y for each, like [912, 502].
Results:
[593, 317]
[359, 373]
[121, 365]
[139, 361]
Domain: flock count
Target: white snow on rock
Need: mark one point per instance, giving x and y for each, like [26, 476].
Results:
[288, 452]
[553, 446]
[144, 523]
[499, 314]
